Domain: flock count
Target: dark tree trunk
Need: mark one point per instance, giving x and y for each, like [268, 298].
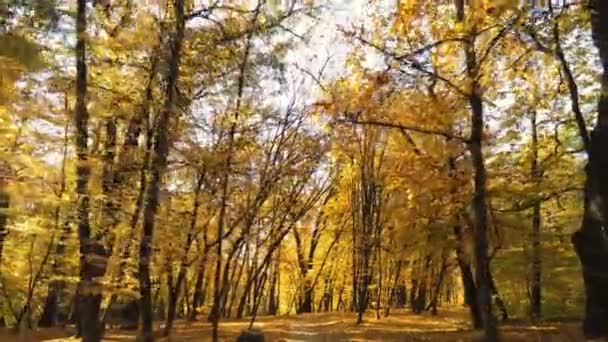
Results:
[419, 302]
[307, 291]
[197, 296]
[468, 281]
[590, 241]
[479, 209]
[228, 276]
[257, 294]
[4, 205]
[414, 286]
[159, 161]
[240, 311]
[172, 298]
[437, 286]
[129, 312]
[174, 290]
[93, 256]
[236, 285]
[272, 290]
[479, 186]
[535, 284]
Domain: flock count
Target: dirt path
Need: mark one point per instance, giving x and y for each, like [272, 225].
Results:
[450, 326]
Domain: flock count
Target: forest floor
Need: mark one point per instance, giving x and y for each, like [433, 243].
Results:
[401, 325]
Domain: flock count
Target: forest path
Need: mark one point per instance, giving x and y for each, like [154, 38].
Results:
[401, 325]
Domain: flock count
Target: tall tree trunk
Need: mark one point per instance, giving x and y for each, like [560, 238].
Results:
[355, 255]
[158, 165]
[479, 187]
[535, 284]
[479, 209]
[93, 256]
[590, 241]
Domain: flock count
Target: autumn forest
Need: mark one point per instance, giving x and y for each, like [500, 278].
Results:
[322, 170]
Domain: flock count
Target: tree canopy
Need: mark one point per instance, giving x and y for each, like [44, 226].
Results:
[210, 160]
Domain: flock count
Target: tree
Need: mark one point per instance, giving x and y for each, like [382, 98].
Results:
[157, 168]
[589, 239]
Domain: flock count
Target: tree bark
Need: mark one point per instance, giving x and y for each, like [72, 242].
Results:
[535, 283]
[479, 186]
[272, 290]
[93, 256]
[4, 205]
[591, 241]
[158, 165]
[479, 209]
[468, 281]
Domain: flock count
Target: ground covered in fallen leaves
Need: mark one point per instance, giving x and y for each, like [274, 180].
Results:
[399, 326]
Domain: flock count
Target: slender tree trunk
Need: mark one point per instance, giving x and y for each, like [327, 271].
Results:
[198, 293]
[228, 276]
[4, 205]
[172, 299]
[183, 268]
[159, 161]
[414, 285]
[438, 285]
[246, 290]
[215, 309]
[54, 312]
[272, 290]
[393, 288]
[356, 251]
[500, 304]
[238, 276]
[197, 296]
[419, 302]
[535, 286]
[257, 294]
